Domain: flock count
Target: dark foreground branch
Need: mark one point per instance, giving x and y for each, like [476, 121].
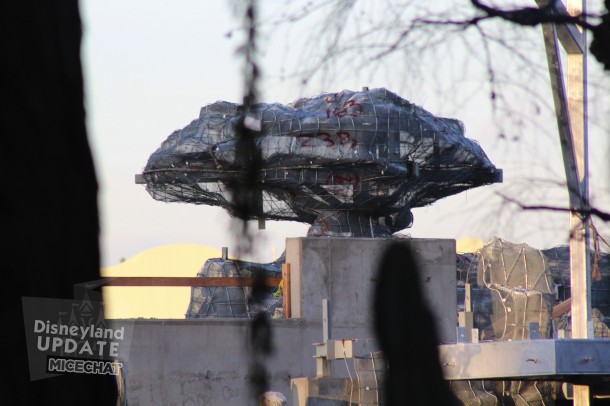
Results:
[532, 16]
[584, 213]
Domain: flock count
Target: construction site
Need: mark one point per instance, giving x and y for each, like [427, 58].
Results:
[405, 141]
[508, 339]
[514, 325]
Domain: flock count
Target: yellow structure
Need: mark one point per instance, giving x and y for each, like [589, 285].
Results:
[468, 244]
[155, 302]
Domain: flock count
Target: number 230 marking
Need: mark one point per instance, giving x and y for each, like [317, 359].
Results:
[342, 137]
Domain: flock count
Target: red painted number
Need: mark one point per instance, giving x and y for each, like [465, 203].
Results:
[338, 179]
[342, 136]
[350, 107]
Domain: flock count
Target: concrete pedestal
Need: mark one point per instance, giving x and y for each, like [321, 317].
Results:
[343, 270]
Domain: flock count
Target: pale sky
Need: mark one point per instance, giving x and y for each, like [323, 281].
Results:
[150, 65]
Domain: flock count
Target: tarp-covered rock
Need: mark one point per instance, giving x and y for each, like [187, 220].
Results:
[349, 163]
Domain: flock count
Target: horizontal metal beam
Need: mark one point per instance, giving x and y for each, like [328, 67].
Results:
[187, 281]
[529, 358]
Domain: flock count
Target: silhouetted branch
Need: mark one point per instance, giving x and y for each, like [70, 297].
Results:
[584, 213]
[532, 16]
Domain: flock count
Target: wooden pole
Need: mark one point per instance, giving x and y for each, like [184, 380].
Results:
[286, 290]
[186, 281]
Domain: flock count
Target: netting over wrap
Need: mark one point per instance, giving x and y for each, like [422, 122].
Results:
[558, 260]
[233, 302]
[557, 265]
[513, 285]
[349, 163]
[498, 393]
[521, 287]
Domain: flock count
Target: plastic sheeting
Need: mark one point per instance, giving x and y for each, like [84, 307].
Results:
[233, 302]
[513, 285]
[558, 260]
[522, 289]
[349, 163]
[557, 265]
[498, 393]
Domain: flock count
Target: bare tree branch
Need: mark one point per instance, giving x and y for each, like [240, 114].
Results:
[584, 213]
[532, 16]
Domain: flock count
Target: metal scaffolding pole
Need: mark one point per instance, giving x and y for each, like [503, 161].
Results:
[571, 111]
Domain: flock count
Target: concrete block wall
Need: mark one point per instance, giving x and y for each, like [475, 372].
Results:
[205, 361]
[343, 270]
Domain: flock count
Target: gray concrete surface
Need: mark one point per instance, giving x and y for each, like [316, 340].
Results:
[343, 271]
[205, 361]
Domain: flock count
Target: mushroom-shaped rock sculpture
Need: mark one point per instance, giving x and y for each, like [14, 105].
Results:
[352, 163]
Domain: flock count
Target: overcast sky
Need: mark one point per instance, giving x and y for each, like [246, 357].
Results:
[150, 65]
